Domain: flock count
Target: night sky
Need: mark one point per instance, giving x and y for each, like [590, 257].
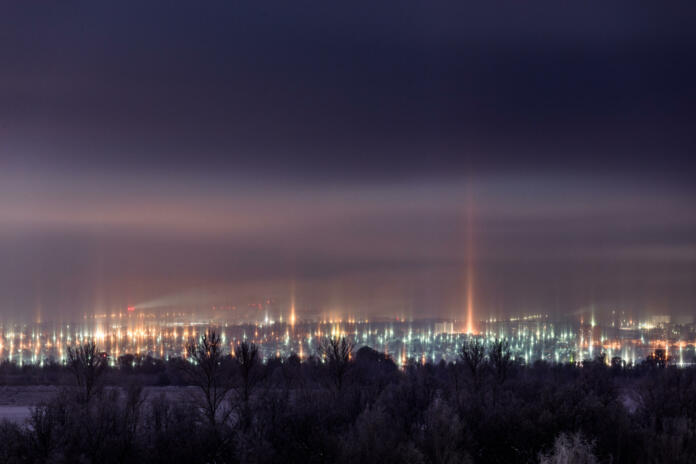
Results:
[362, 157]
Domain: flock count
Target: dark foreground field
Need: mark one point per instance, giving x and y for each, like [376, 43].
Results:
[345, 406]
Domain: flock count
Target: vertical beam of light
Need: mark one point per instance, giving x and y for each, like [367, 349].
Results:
[292, 305]
[469, 263]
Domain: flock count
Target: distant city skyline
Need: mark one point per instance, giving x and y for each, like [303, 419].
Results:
[530, 337]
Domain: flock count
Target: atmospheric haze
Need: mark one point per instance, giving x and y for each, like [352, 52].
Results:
[410, 160]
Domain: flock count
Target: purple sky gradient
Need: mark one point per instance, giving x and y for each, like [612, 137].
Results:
[195, 154]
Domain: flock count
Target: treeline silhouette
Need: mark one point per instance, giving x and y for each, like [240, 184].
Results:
[354, 406]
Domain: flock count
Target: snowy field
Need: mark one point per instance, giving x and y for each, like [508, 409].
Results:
[16, 401]
[14, 413]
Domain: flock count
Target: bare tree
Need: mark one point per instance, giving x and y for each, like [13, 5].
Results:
[617, 363]
[500, 359]
[207, 372]
[337, 354]
[247, 356]
[658, 358]
[472, 354]
[88, 365]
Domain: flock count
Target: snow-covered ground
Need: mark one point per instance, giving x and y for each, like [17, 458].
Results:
[17, 414]
[16, 401]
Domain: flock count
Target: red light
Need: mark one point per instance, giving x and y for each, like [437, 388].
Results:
[131, 309]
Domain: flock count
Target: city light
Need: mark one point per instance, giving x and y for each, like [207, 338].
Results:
[531, 337]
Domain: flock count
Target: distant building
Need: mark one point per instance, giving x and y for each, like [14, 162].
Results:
[444, 328]
[660, 319]
[683, 319]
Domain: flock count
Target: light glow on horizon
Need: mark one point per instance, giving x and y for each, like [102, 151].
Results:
[469, 265]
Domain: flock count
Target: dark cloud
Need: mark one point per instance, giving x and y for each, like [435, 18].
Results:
[308, 90]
